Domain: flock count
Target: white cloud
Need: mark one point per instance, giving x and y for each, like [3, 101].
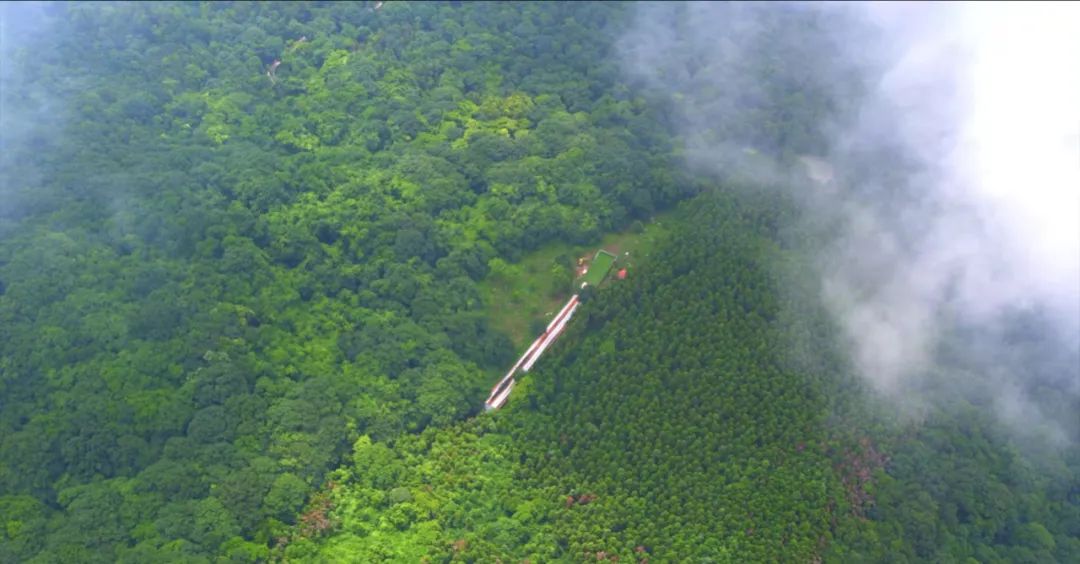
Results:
[972, 215]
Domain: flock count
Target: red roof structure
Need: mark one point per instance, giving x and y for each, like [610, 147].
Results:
[621, 274]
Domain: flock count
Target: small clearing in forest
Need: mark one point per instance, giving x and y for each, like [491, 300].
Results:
[530, 291]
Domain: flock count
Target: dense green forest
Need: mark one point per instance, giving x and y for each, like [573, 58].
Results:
[684, 419]
[242, 253]
[219, 272]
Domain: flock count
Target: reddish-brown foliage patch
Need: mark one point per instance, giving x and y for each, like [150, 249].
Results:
[856, 469]
[316, 520]
[583, 499]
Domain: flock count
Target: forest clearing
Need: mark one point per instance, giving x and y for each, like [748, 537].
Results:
[522, 296]
[589, 273]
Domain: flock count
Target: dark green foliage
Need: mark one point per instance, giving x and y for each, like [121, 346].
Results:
[957, 488]
[698, 412]
[215, 279]
[241, 317]
[670, 425]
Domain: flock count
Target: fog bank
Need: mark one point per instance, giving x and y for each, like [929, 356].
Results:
[940, 149]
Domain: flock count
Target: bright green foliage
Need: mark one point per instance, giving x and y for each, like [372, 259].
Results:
[216, 274]
[436, 495]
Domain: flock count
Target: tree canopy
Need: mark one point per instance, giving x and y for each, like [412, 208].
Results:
[243, 253]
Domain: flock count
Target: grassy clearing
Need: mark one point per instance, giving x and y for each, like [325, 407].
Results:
[532, 290]
[599, 268]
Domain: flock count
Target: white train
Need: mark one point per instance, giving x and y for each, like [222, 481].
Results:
[501, 392]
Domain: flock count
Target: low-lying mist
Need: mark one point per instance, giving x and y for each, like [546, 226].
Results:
[935, 150]
[31, 116]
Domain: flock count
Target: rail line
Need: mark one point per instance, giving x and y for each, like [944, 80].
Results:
[501, 392]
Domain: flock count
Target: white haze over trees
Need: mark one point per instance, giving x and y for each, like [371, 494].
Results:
[947, 177]
[31, 115]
